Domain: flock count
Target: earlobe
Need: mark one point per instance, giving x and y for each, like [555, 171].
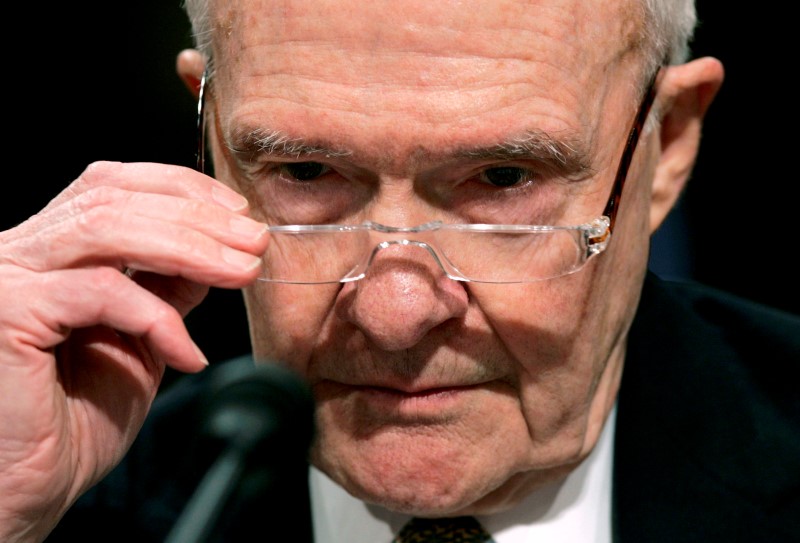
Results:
[190, 65]
[686, 92]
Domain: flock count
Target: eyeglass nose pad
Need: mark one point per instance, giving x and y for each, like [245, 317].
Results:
[404, 243]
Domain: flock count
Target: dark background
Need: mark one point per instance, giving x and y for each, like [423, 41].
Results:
[90, 81]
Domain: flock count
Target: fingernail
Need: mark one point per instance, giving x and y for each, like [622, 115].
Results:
[247, 227]
[239, 259]
[200, 355]
[228, 198]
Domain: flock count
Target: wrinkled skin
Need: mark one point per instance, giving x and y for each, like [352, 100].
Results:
[434, 396]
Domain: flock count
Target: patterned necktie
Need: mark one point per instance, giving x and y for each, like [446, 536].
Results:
[444, 530]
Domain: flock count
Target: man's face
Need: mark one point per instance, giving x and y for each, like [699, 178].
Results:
[437, 396]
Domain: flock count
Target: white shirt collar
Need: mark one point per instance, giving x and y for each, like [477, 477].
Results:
[575, 510]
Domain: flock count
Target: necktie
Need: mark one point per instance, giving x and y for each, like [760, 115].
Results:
[444, 530]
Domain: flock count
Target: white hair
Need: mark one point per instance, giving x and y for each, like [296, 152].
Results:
[668, 30]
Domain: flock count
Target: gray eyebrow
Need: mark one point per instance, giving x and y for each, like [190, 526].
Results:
[248, 143]
[567, 156]
[564, 156]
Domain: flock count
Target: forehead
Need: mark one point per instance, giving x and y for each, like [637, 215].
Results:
[441, 63]
[444, 27]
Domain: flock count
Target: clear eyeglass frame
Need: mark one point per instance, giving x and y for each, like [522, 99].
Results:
[344, 253]
[581, 242]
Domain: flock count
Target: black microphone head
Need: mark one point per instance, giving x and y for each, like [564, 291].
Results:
[251, 404]
[251, 454]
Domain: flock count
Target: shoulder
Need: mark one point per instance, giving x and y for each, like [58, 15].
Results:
[693, 314]
[716, 351]
[708, 427]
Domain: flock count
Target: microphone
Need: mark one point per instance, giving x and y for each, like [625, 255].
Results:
[260, 413]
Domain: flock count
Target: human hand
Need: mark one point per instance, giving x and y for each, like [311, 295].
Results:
[94, 289]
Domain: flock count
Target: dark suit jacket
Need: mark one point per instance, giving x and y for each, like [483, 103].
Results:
[708, 431]
[707, 443]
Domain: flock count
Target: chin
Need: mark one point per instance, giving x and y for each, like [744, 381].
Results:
[420, 478]
[401, 492]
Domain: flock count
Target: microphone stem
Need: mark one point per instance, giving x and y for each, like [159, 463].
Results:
[200, 515]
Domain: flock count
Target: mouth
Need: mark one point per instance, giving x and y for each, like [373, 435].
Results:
[421, 393]
[403, 404]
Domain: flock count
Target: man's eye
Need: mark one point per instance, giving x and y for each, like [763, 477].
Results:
[505, 176]
[305, 171]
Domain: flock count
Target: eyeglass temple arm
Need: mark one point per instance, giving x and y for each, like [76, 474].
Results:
[630, 147]
[201, 126]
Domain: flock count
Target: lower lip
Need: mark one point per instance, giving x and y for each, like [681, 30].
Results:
[431, 404]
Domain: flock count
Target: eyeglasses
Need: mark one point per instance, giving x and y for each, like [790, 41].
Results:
[484, 253]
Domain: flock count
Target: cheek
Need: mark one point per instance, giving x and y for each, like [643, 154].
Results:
[550, 330]
[536, 321]
[564, 335]
[286, 320]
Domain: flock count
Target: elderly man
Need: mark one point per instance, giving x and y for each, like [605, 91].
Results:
[439, 213]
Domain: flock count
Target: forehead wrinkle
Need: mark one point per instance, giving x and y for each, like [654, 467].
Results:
[415, 23]
[527, 31]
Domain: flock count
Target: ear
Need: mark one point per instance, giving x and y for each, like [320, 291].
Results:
[190, 65]
[685, 93]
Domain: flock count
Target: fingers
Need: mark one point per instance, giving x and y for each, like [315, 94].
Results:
[180, 293]
[162, 219]
[153, 178]
[181, 231]
[87, 297]
[152, 232]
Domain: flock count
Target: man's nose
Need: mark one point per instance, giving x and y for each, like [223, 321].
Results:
[403, 296]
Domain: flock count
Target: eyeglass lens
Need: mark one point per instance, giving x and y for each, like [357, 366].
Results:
[334, 255]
